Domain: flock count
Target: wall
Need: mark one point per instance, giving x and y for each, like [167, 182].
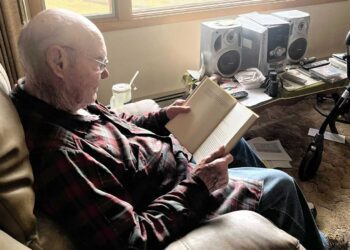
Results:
[163, 53]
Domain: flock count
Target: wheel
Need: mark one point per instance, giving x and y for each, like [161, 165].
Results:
[311, 162]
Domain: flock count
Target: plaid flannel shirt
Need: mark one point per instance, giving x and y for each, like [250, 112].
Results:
[119, 182]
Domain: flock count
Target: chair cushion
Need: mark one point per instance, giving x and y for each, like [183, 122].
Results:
[16, 178]
[240, 230]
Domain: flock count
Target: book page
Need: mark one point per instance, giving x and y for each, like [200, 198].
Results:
[228, 132]
[209, 105]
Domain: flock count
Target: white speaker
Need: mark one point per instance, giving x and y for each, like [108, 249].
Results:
[299, 28]
[264, 41]
[221, 47]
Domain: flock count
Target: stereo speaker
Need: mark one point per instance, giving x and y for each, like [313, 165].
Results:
[265, 41]
[298, 37]
[221, 47]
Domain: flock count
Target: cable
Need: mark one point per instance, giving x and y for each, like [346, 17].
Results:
[325, 115]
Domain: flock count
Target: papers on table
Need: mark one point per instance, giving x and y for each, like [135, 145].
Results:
[271, 152]
[255, 96]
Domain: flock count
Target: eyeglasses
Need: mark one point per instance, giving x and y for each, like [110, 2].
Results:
[102, 64]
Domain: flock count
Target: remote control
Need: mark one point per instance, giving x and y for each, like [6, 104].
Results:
[307, 60]
[315, 64]
[240, 94]
[293, 78]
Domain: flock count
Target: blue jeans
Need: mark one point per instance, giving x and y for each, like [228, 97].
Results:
[282, 201]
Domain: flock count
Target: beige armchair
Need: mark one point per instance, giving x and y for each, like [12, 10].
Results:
[20, 229]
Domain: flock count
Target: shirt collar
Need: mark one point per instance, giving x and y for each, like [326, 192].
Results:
[30, 102]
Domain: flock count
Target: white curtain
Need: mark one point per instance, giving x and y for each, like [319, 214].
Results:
[11, 21]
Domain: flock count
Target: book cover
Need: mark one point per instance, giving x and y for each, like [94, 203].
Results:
[215, 119]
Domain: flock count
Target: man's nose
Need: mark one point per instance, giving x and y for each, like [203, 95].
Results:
[105, 74]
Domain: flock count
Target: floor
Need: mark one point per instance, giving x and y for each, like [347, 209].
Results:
[329, 190]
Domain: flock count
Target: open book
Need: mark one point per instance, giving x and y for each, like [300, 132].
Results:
[216, 118]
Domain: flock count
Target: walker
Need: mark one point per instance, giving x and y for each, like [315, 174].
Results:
[313, 157]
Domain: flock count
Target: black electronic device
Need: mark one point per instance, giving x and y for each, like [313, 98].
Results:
[315, 64]
[240, 94]
[271, 84]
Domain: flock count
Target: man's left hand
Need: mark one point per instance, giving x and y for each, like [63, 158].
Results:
[176, 108]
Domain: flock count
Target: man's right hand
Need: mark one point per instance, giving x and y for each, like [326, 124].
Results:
[213, 169]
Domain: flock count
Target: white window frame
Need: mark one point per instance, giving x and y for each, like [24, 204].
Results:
[125, 18]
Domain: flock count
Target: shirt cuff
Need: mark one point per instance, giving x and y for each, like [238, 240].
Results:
[197, 194]
[163, 116]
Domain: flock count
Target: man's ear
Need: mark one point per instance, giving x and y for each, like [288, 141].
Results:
[56, 58]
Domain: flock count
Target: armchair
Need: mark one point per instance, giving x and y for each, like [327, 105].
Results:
[20, 228]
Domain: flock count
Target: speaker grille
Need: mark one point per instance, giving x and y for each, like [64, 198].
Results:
[297, 49]
[228, 63]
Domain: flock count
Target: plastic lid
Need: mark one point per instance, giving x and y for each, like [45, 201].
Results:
[121, 87]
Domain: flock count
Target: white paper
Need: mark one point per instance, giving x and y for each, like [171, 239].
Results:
[278, 164]
[256, 139]
[329, 136]
[270, 163]
[255, 96]
[270, 150]
[194, 73]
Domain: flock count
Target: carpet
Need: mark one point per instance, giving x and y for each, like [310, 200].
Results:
[329, 190]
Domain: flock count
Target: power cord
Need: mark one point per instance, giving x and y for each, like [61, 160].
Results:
[345, 109]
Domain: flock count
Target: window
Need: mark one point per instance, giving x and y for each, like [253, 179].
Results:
[119, 14]
[90, 8]
[140, 5]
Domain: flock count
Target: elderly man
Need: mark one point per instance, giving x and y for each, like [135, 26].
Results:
[118, 182]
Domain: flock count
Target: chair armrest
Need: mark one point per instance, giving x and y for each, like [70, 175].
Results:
[7, 242]
[139, 107]
[237, 230]
[240, 230]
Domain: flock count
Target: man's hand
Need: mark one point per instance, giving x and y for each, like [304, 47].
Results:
[213, 169]
[176, 108]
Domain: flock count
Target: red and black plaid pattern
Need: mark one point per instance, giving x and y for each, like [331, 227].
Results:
[119, 182]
